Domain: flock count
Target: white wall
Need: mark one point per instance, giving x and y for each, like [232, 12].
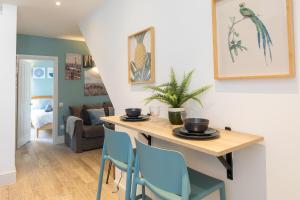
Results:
[184, 40]
[8, 22]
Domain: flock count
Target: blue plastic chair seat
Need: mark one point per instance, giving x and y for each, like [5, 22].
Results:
[202, 185]
[166, 174]
[164, 193]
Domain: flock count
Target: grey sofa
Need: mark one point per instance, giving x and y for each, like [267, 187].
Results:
[86, 137]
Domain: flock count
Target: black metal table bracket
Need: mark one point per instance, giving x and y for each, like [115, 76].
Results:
[227, 161]
[228, 164]
[148, 138]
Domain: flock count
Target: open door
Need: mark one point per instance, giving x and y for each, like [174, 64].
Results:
[24, 99]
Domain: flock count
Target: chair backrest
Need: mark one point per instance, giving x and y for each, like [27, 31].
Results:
[164, 169]
[118, 146]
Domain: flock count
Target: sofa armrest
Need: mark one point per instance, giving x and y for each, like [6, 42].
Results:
[77, 137]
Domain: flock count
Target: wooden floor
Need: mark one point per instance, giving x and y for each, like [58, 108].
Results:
[46, 171]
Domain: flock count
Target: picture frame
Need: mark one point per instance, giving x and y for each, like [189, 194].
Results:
[38, 73]
[50, 73]
[73, 65]
[141, 57]
[249, 43]
[93, 83]
[88, 61]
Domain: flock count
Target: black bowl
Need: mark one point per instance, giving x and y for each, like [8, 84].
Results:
[133, 112]
[196, 125]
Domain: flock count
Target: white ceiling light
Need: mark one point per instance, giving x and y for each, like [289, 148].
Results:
[58, 3]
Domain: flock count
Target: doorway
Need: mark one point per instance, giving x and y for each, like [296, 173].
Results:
[37, 98]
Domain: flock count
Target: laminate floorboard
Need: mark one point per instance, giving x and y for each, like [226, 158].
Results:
[53, 172]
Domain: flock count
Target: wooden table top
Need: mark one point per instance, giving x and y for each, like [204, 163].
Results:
[229, 141]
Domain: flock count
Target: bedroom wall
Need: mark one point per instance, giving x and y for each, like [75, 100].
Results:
[271, 108]
[42, 87]
[8, 23]
[71, 92]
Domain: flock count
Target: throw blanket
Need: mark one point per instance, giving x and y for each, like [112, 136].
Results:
[71, 125]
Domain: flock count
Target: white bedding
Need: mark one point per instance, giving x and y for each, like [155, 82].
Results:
[40, 118]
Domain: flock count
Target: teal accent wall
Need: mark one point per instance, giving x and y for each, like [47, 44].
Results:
[42, 87]
[70, 92]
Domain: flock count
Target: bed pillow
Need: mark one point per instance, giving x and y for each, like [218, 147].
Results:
[95, 115]
[40, 104]
[48, 108]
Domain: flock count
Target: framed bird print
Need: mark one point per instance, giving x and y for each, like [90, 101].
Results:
[141, 57]
[253, 39]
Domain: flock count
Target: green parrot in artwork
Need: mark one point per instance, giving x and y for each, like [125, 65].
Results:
[262, 32]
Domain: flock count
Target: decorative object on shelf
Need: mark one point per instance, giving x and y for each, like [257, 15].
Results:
[88, 61]
[93, 84]
[154, 112]
[134, 119]
[38, 73]
[175, 94]
[195, 125]
[50, 73]
[73, 66]
[133, 112]
[249, 42]
[141, 57]
[208, 134]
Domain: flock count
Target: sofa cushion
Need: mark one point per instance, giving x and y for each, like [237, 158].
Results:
[84, 115]
[95, 115]
[75, 110]
[93, 131]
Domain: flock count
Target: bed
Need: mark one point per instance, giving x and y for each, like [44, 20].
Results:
[41, 114]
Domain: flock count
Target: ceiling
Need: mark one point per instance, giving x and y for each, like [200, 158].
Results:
[44, 18]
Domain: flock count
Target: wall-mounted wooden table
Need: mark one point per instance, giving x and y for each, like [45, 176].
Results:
[222, 147]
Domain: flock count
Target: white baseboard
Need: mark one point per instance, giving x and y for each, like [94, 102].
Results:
[59, 139]
[8, 178]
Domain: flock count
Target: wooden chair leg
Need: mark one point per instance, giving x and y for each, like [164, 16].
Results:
[108, 173]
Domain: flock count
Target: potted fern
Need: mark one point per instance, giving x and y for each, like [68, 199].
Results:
[175, 94]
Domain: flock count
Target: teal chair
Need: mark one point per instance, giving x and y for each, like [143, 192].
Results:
[117, 148]
[165, 173]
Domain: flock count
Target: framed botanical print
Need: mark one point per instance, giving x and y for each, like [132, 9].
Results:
[141, 57]
[253, 39]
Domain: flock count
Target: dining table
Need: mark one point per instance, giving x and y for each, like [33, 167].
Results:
[221, 147]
